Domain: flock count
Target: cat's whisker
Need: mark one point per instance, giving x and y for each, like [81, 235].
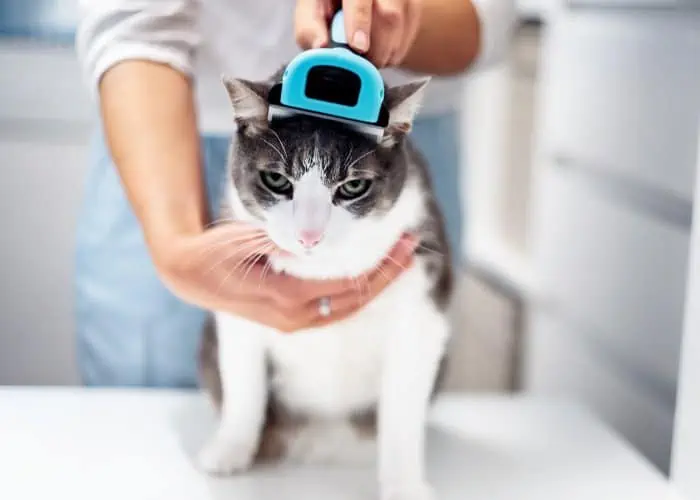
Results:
[217, 245]
[219, 221]
[282, 157]
[364, 171]
[360, 158]
[255, 251]
[426, 248]
[228, 257]
[348, 156]
[256, 259]
[284, 149]
[266, 269]
[238, 248]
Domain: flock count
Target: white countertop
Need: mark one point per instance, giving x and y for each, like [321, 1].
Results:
[89, 444]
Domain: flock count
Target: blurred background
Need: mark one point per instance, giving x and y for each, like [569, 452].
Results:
[580, 155]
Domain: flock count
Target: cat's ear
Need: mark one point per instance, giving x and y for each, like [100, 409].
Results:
[402, 102]
[249, 101]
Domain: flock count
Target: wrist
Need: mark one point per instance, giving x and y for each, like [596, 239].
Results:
[165, 228]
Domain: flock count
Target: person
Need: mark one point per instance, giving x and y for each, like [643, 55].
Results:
[149, 263]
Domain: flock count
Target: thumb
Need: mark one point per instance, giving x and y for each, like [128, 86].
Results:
[311, 23]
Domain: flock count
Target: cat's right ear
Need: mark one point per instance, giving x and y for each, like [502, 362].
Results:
[249, 101]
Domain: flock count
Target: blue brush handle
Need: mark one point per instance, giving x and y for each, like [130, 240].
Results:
[338, 29]
[371, 95]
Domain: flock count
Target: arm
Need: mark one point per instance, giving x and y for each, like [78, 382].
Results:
[459, 35]
[150, 127]
[147, 106]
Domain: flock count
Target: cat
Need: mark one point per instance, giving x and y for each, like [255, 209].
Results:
[336, 202]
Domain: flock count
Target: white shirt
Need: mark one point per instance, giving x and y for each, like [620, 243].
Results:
[240, 38]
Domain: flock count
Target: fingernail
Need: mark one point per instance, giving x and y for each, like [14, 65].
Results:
[360, 41]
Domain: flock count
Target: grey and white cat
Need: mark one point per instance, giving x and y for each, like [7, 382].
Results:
[361, 387]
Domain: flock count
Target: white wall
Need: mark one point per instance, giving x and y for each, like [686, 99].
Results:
[44, 130]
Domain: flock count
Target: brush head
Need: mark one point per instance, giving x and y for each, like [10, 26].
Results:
[333, 83]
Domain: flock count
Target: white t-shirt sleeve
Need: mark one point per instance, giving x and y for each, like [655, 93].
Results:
[497, 19]
[164, 31]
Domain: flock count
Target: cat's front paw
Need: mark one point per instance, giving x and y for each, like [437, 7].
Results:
[223, 457]
[409, 491]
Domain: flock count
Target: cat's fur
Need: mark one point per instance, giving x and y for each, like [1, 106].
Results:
[325, 394]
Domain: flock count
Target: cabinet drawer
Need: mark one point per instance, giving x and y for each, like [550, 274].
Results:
[562, 361]
[611, 266]
[622, 93]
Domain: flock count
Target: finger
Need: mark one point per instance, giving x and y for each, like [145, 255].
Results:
[412, 14]
[404, 249]
[387, 32]
[358, 23]
[311, 23]
[398, 261]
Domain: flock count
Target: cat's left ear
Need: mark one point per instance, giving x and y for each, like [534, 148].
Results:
[249, 101]
[402, 102]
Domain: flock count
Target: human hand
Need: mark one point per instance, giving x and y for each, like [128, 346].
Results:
[384, 30]
[225, 269]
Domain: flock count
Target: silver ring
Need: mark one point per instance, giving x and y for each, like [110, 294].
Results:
[324, 306]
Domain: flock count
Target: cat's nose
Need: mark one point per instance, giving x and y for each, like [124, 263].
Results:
[309, 239]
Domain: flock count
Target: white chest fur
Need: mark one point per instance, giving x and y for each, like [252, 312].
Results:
[334, 370]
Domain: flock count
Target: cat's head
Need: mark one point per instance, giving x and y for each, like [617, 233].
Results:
[311, 183]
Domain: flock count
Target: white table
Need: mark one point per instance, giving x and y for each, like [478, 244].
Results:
[86, 444]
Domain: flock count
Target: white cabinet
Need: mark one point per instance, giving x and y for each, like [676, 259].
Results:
[572, 363]
[622, 95]
[608, 266]
[614, 171]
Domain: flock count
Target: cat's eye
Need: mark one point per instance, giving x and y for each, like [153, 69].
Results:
[354, 188]
[276, 182]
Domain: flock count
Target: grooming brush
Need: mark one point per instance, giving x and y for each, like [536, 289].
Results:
[333, 83]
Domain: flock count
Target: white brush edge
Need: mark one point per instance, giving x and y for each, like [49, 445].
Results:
[372, 131]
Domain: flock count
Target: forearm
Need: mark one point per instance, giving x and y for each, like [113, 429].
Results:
[150, 125]
[455, 34]
[447, 40]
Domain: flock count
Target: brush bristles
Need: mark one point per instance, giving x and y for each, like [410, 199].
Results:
[372, 131]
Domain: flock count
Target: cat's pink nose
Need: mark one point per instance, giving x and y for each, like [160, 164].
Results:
[309, 239]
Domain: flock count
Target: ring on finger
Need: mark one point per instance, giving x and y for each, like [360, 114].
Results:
[324, 306]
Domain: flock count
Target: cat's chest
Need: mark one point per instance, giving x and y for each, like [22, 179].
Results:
[332, 370]
[337, 369]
